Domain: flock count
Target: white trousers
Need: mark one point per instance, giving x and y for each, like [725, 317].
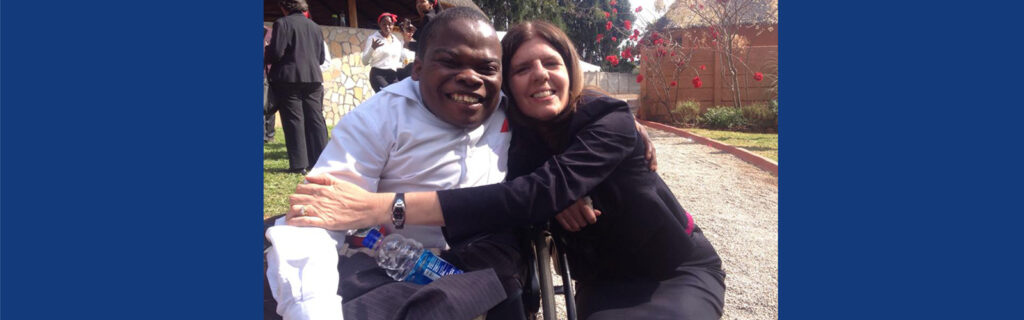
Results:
[302, 271]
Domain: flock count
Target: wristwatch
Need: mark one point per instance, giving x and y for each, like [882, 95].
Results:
[398, 211]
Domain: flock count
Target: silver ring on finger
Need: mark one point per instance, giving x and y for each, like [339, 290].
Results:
[302, 210]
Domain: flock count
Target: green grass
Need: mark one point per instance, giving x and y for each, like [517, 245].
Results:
[764, 144]
[278, 184]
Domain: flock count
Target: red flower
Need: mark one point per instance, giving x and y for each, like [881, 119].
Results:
[613, 59]
[607, 15]
[639, 78]
[661, 52]
[600, 36]
[608, 26]
[659, 41]
[628, 25]
[673, 83]
[636, 33]
[612, 3]
[758, 76]
[696, 82]
[673, 54]
[702, 67]
[639, 8]
[614, 39]
[627, 53]
[615, 11]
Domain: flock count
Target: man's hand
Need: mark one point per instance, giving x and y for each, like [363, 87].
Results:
[579, 215]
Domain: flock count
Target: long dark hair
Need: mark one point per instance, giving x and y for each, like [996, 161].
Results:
[552, 130]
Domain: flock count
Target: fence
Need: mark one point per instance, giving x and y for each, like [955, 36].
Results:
[657, 96]
[612, 82]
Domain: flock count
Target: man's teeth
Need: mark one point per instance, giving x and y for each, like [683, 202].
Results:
[543, 94]
[465, 98]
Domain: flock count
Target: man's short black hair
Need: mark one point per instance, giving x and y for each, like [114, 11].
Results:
[446, 17]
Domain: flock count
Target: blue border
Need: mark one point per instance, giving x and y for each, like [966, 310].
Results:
[897, 176]
[132, 167]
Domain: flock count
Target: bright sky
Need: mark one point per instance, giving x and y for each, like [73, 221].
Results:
[648, 11]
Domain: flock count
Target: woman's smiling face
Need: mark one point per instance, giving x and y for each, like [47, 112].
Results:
[538, 80]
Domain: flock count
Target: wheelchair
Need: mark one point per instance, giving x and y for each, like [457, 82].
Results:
[538, 283]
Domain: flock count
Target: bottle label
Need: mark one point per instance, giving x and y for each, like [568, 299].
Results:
[429, 268]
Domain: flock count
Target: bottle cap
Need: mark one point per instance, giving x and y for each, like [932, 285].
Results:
[371, 238]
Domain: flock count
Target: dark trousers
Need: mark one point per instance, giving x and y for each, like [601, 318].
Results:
[305, 133]
[696, 290]
[269, 120]
[380, 78]
[269, 113]
[405, 72]
[490, 285]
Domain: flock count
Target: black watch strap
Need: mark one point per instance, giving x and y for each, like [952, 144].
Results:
[398, 211]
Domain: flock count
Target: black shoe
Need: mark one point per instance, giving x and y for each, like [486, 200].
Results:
[301, 171]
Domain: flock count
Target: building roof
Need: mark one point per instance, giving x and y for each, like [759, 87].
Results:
[680, 16]
[322, 11]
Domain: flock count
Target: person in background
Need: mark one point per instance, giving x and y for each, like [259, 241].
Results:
[269, 109]
[384, 52]
[426, 11]
[295, 53]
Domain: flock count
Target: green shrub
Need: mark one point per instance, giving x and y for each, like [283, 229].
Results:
[687, 112]
[761, 118]
[722, 117]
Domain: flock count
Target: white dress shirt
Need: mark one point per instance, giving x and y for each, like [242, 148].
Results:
[389, 143]
[392, 55]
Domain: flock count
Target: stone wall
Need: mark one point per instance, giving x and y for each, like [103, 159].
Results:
[346, 81]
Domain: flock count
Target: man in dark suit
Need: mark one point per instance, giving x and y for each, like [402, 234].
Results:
[295, 54]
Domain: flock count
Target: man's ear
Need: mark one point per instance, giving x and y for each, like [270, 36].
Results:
[416, 66]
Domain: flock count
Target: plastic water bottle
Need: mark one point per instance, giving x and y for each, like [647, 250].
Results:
[405, 259]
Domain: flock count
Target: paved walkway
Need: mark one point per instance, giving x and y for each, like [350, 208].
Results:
[736, 205]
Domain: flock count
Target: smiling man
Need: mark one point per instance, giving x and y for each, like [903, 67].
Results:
[442, 128]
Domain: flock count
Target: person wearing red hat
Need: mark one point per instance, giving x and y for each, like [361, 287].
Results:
[385, 53]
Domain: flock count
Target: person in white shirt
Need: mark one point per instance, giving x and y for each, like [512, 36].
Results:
[385, 53]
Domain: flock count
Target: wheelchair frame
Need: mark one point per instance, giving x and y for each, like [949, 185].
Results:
[541, 239]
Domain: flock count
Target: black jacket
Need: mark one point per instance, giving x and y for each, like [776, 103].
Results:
[296, 50]
[643, 232]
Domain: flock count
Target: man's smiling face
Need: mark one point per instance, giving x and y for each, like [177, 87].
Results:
[460, 72]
